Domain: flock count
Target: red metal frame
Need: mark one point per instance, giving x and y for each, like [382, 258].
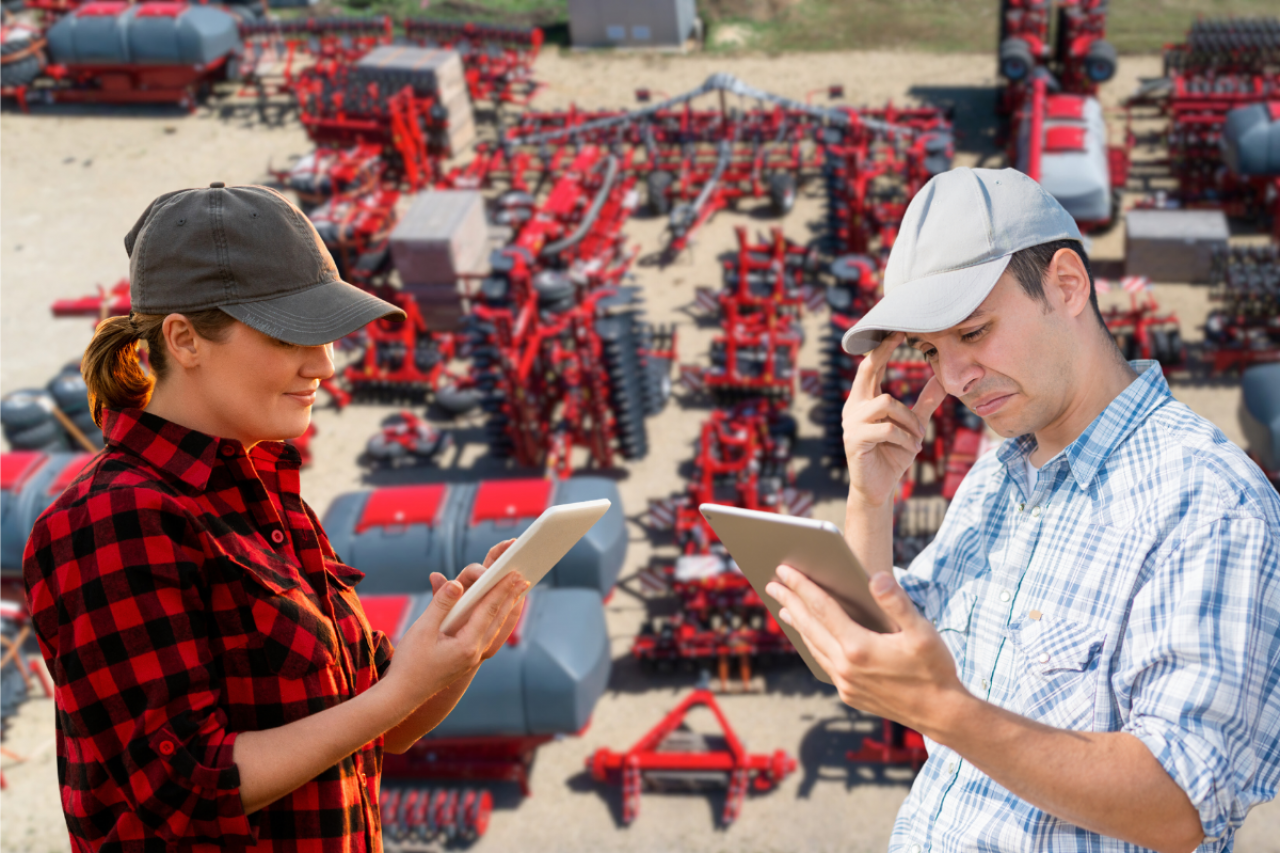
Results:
[647, 756]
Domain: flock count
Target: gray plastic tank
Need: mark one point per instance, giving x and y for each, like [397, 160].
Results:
[547, 683]
[398, 535]
[113, 33]
[1074, 167]
[29, 482]
[1260, 413]
[1251, 140]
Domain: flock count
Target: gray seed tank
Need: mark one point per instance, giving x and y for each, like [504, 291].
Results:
[398, 535]
[29, 482]
[1074, 164]
[116, 33]
[1251, 140]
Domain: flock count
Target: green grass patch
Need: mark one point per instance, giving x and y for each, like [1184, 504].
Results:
[775, 26]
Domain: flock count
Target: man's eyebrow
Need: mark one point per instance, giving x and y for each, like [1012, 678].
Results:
[978, 314]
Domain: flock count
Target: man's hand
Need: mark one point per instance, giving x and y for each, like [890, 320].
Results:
[908, 676]
[881, 435]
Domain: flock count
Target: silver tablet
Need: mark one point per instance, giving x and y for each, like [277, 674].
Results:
[761, 541]
[534, 554]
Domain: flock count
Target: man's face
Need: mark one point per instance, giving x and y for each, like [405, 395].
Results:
[1009, 361]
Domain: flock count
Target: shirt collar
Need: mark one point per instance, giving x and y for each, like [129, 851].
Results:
[1091, 449]
[184, 453]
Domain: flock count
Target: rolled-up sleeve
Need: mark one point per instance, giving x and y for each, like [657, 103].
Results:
[1198, 680]
[116, 593]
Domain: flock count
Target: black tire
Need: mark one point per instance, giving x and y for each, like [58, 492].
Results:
[27, 408]
[659, 186]
[658, 385]
[1160, 346]
[20, 72]
[1101, 61]
[458, 401]
[1175, 346]
[70, 393]
[84, 422]
[48, 436]
[1016, 59]
[782, 193]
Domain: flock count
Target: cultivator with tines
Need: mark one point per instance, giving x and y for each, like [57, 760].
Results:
[671, 756]
[413, 816]
[870, 176]
[1245, 327]
[1143, 331]
[766, 275]
[404, 361]
[742, 458]
[755, 357]
[1069, 47]
[1219, 94]
[498, 59]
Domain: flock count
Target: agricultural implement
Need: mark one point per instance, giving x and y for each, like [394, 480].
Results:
[671, 756]
[1244, 327]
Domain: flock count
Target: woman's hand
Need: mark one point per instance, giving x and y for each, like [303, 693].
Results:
[469, 576]
[427, 660]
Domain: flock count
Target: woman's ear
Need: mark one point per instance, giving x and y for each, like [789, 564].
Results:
[181, 340]
[1069, 278]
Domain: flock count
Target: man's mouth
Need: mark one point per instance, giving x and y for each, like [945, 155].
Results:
[990, 405]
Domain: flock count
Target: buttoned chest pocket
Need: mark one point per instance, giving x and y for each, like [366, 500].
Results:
[285, 634]
[1056, 665]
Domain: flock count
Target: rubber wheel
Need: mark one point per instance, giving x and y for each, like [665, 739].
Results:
[48, 436]
[21, 72]
[1016, 59]
[659, 186]
[458, 401]
[70, 393]
[26, 408]
[1100, 61]
[782, 193]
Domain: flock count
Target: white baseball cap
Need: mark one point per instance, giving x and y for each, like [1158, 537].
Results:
[955, 241]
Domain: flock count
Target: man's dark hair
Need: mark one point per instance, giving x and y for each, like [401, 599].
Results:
[1029, 265]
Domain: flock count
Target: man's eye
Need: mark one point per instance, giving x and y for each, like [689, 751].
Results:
[930, 354]
[974, 335]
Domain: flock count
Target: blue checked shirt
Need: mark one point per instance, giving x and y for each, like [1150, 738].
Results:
[1135, 589]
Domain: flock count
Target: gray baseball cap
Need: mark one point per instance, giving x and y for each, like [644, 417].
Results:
[250, 252]
[954, 243]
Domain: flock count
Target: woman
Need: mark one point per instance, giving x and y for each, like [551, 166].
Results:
[217, 684]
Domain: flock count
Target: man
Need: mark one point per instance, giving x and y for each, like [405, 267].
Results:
[1091, 644]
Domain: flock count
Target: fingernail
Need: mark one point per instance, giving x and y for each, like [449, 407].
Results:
[881, 583]
[784, 573]
[784, 615]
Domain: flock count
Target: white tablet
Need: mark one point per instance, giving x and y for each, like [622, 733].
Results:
[535, 553]
[759, 542]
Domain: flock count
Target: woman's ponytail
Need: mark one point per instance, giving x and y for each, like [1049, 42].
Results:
[113, 370]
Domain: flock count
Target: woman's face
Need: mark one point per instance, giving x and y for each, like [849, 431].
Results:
[252, 387]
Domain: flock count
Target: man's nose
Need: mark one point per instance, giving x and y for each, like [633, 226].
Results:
[959, 373]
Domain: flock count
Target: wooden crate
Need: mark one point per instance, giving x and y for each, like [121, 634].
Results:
[430, 71]
[441, 235]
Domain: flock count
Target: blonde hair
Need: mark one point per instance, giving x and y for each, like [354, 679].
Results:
[113, 368]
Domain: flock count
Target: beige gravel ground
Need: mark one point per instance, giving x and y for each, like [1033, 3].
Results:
[71, 185]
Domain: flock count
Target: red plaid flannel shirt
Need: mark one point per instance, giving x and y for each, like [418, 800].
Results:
[182, 592]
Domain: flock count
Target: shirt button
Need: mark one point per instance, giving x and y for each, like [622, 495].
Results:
[228, 450]
[985, 685]
[166, 747]
[1044, 657]
[915, 848]
[277, 536]
[1035, 512]
[951, 767]
[1005, 595]
[1021, 507]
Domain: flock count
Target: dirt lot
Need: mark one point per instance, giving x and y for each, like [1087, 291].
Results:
[71, 186]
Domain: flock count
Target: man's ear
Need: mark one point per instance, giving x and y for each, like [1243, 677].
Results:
[181, 341]
[1069, 281]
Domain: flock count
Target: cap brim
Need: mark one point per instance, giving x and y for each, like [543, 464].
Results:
[928, 304]
[317, 315]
